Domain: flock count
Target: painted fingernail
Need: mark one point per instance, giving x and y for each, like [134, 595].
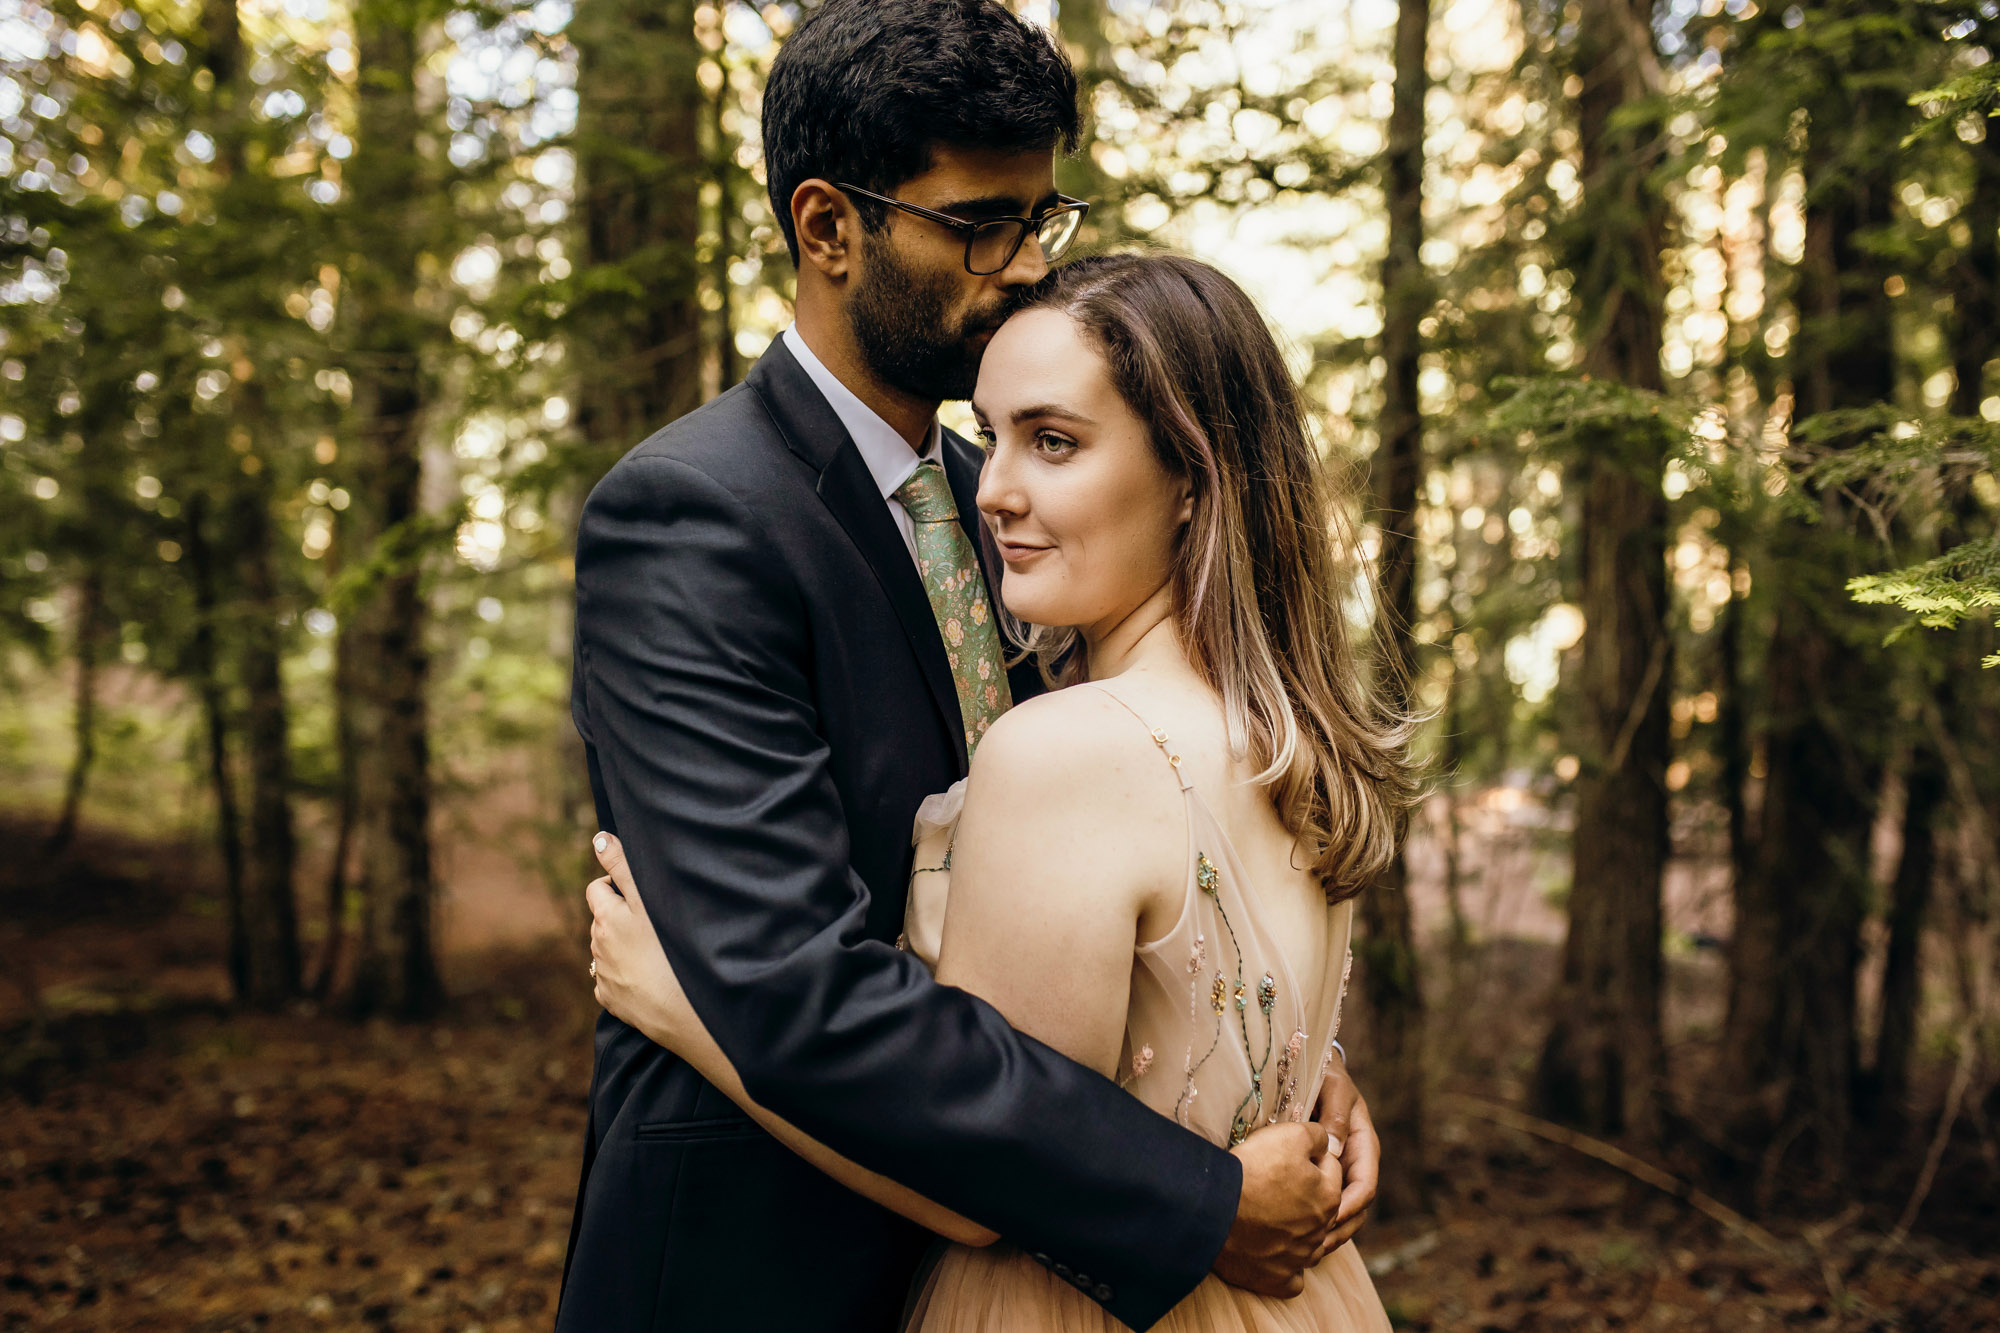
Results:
[601, 841]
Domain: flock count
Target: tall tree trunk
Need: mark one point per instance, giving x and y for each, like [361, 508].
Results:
[270, 916]
[1602, 1064]
[264, 945]
[86, 643]
[639, 116]
[395, 969]
[1789, 1057]
[1909, 906]
[722, 154]
[1391, 989]
[223, 28]
[215, 715]
[1732, 730]
[333, 945]
[1451, 758]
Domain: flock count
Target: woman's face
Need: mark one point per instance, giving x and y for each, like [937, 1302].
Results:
[1086, 517]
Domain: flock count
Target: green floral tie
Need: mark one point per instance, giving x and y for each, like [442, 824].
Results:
[958, 599]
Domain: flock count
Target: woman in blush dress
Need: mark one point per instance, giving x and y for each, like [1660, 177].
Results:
[1153, 871]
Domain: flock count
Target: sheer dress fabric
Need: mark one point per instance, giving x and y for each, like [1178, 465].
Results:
[1221, 1036]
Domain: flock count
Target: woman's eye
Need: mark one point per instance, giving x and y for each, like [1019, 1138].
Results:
[984, 439]
[1051, 443]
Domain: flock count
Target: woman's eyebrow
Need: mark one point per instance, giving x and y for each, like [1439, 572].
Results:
[1051, 410]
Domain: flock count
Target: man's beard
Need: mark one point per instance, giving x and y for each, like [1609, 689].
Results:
[898, 317]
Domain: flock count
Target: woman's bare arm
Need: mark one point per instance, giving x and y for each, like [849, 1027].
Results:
[1071, 823]
[636, 983]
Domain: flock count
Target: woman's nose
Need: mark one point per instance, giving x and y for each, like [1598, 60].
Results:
[998, 493]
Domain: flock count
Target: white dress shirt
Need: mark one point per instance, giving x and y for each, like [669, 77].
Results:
[888, 455]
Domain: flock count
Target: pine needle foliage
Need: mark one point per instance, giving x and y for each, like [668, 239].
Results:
[1568, 415]
[1943, 591]
[1903, 463]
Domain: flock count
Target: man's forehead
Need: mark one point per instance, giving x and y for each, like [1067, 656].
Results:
[987, 179]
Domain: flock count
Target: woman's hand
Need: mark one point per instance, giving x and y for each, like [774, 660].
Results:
[634, 980]
[1356, 1150]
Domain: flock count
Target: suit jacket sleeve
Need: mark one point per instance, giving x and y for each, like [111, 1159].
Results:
[694, 693]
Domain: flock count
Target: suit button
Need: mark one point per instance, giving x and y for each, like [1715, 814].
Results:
[1083, 1281]
[1041, 1259]
[1103, 1292]
[1063, 1272]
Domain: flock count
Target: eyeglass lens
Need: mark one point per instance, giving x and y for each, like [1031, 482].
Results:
[995, 244]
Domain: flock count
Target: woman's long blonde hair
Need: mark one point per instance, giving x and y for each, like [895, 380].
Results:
[1266, 562]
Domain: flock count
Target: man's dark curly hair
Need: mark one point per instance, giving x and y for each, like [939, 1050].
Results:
[864, 89]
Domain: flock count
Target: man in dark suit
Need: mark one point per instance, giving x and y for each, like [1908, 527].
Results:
[765, 699]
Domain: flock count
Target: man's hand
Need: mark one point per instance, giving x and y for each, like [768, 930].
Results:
[1351, 1133]
[1291, 1198]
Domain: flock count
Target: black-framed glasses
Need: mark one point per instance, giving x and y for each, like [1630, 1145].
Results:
[992, 243]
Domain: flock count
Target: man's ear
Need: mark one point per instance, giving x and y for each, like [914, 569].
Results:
[827, 228]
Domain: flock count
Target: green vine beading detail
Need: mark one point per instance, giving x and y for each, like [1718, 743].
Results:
[1209, 880]
[937, 869]
[1206, 878]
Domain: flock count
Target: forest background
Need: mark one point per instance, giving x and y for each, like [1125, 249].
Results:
[1653, 344]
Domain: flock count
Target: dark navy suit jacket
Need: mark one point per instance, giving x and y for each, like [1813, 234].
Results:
[764, 701]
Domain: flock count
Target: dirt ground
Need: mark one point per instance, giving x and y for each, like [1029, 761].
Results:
[166, 1164]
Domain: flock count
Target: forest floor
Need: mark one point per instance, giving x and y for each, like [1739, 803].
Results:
[168, 1164]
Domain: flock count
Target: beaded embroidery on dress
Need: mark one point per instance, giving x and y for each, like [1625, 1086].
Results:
[1220, 1035]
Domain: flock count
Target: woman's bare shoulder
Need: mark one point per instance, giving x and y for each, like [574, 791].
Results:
[1078, 746]
[1075, 783]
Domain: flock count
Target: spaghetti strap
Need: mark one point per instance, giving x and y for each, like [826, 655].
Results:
[1158, 734]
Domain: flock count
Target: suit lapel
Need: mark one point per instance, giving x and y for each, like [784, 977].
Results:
[848, 488]
[813, 432]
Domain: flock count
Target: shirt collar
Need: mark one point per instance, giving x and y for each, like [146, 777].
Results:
[886, 453]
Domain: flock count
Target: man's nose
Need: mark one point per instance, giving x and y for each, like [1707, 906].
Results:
[1028, 266]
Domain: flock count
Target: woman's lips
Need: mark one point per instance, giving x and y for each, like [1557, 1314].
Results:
[1015, 553]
